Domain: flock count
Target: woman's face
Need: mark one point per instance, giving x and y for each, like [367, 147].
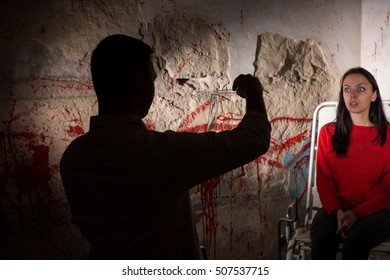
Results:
[358, 94]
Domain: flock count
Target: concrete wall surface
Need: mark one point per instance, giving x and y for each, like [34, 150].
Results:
[298, 50]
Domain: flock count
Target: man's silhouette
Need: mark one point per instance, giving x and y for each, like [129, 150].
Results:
[127, 185]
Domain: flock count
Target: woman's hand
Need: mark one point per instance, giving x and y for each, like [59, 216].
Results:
[345, 220]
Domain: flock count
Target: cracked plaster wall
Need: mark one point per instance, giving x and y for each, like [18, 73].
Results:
[46, 98]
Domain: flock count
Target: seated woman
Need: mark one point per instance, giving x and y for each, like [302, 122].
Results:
[353, 173]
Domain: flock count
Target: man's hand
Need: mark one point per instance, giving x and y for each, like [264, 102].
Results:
[250, 88]
[247, 84]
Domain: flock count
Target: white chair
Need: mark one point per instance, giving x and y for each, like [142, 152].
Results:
[295, 234]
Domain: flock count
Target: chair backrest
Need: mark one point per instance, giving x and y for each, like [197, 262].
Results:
[323, 114]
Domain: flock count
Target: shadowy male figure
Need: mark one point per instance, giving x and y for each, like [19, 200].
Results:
[127, 186]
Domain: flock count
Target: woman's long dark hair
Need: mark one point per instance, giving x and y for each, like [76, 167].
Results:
[377, 115]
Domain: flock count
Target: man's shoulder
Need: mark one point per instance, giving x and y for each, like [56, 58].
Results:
[77, 141]
[74, 146]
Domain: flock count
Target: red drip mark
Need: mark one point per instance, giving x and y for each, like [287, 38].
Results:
[382, 36]
[272, 163]
[241, 18]
[197, 128]
[222, 124]
[387, 20]
[209, 210]
[374, 54]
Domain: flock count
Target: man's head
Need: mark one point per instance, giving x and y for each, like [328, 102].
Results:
[123, 75]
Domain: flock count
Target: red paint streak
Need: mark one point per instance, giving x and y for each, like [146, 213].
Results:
[291, 119]
[272, 163]
[181, 66]
[43, 83]
[222, 124]
[197, 129]
[297, 163]
[289, 143]
[228, 117]
[185, 125]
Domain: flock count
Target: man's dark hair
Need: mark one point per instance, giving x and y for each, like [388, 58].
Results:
[116, 59]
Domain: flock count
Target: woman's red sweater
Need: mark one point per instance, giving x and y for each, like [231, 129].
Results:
[360, 181]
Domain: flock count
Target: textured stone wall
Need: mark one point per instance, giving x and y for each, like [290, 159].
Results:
[46, 98]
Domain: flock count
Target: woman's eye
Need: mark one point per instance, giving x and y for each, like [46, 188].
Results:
[347, 90]
[361, 89]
